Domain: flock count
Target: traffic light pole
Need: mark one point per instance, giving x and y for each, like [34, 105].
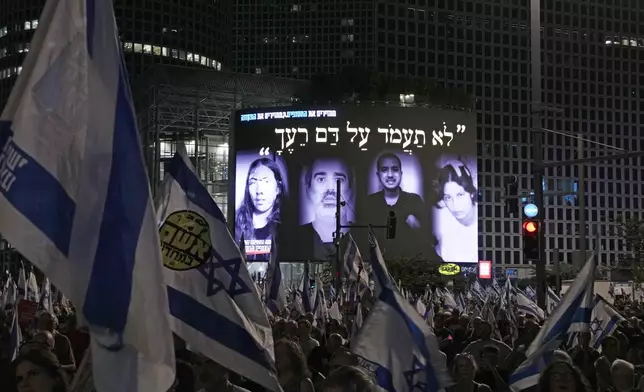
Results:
[537, 141]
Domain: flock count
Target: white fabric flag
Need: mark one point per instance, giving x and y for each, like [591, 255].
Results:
[74, 195]
[214, 303]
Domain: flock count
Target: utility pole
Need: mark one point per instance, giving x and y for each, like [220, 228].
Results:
[337, 269]
[537, 141]
[581, 197]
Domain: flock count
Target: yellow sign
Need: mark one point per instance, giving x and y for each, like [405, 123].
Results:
[449, 269]
[185, 241]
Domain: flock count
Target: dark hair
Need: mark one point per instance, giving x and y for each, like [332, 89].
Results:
[244, 215]
[455, 172]
[349, 379]
[580, 381]
[296, 358]
[385, 156]
[48, 362]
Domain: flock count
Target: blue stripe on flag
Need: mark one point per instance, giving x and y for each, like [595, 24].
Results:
[387, 295]
[107, 301]
[216, 326]
[195, 191]
[38, 196]
[90, 10]
[608, 329]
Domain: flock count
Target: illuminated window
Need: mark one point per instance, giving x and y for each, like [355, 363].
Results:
[19, 70]
[190, 57]
[182, 55]
[28, 25]
[164, 51]
[138, 48]
[157, 51]
[147, 49]
[633, 42]
[204, 60]
[3, 31]
[296, 8]
[175, 54]
[34, 24]
[128, 46]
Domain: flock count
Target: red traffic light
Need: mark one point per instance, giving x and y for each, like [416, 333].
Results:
[530, 227]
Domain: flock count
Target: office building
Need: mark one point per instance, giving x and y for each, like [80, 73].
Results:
[191, 33]
[593, 70]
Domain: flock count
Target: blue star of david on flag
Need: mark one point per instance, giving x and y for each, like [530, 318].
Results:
[211, 271]
[596, 325]
[412, 375]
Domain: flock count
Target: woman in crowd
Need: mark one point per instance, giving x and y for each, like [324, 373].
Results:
[463, 373]
[38, 371]
[563, 376]
[292, 371]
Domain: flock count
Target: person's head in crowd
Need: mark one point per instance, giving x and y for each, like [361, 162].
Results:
[304, 329]
[289, 360]
[290, 329]
[464, 321]
[623, 375]
[562, 376]
[212, 375]
[459, 334]
[484, 330]
[490, 356]
[309, 316]
[610, 348]
[623, 343]
[279, 328]
[464, 368]
[349, 379]
[457, 192]
[42, 340]
[343, 357]
[604, 378]
[560, 355]
[334, 342]
[47, 322]
[584, 339]
[38, 371]
[294, 314]
[438, 321]
[263, 195]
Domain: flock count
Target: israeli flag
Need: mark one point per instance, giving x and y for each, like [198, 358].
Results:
[15, 338]
[573, 310]
[45, 296]
[74, 193]
[275, 289]
[527, 306]
[395, 343]
[22, 277]
[214, 303]
[604, 321]
[10, 292]
[33, 292]
[354, 269]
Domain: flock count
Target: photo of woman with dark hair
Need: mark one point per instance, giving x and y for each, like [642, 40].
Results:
[456, 212]
[258, 215]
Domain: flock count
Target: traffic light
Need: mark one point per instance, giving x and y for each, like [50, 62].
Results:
[531, 239]
[391, 225]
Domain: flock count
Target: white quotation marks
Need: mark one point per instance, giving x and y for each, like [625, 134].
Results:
[265, 151]
[445, 136]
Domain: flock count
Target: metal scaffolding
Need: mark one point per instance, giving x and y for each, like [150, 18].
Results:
[195, 106]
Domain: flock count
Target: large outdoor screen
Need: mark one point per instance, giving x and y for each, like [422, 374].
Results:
[418, 162]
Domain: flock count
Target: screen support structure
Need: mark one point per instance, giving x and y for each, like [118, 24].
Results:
[338, 268]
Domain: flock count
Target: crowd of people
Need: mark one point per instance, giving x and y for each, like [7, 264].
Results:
[312, 356]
